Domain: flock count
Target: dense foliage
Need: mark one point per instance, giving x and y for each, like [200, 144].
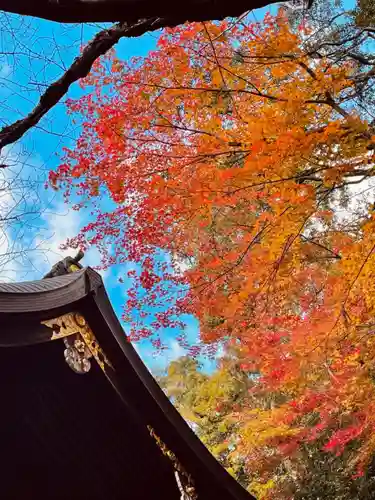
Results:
[235, 148]
[213, 405]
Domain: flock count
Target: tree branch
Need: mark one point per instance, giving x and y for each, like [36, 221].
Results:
[80, 68]
[130, 11]
[333, 255]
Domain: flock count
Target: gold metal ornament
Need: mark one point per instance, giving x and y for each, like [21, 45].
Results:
[184, 480]
[75, 324]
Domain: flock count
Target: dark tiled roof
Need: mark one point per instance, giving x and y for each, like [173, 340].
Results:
[45, 294]
[39, 286]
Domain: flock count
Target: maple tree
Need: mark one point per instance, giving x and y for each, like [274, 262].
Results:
[232, 148]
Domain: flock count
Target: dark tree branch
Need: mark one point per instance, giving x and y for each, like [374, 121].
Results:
[80, 68]
[333, 255]
[130, 11]
[361, 59]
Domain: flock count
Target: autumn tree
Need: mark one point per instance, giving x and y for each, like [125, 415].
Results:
[240, 151]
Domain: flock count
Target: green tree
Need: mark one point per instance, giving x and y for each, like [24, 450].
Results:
[209, 403]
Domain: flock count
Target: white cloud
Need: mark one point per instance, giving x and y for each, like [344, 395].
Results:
[34, 223]
[60, 224]
[175, 351]
[17, 214]
[359, 197]
[5, 70]
[30, 246]
[181, 265]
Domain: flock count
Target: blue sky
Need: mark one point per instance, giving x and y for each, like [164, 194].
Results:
[33, 53]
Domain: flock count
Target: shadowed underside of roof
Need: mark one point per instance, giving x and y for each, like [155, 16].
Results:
[66, 436]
